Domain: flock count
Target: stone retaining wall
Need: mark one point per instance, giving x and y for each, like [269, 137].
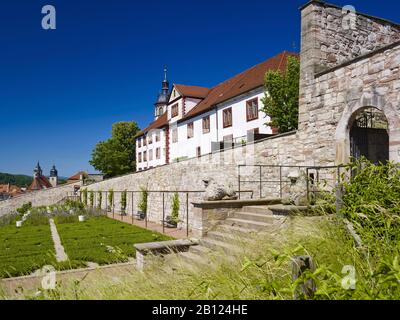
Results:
[186, 176]
[38, 198]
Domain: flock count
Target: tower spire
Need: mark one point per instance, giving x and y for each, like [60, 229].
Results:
[163, 96]
[165, 83]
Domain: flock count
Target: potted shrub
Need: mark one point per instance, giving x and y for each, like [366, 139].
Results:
[84, 196]
[173, 220]
[123, 202]
[142, 206]
[110, 199]
[91, 199]
[100, 199]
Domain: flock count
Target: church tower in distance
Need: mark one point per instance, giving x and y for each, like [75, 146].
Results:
[53, 177]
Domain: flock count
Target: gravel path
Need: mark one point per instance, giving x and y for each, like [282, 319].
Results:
[60, 252]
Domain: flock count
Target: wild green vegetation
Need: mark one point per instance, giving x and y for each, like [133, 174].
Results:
[117, 155]
[15, 179]
[103, 240]
[281, 100]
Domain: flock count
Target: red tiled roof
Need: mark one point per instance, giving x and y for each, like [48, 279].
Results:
[39, 183]
[159, 123]
[77, 176]
[10, 189]
[241, 83]
[192, 91]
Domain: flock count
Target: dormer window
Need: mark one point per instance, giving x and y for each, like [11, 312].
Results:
[174, 110]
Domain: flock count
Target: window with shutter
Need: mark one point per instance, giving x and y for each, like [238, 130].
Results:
[227, 118]
[252, 109]
[206, 124]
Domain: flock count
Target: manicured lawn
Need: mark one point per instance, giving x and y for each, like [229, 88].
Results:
[24, 250]
[99, 239]
[103, 240]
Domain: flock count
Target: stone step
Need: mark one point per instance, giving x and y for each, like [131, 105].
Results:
[235, 230]
[257, 209]
[230, 238]
[254, 217]
[200, 251]
[222, 235]
[254, 225]
[216, 245]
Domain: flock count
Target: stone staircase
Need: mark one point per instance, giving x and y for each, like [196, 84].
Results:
[230, 237]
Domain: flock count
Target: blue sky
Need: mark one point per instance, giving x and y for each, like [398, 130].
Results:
[61, 90]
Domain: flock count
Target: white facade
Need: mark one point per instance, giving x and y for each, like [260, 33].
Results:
[186, 147]
[150, 150]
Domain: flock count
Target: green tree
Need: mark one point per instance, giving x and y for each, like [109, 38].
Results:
[281, 100]
[117, 155]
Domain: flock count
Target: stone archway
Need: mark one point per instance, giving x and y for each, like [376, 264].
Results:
[369, 137]
[343, 131]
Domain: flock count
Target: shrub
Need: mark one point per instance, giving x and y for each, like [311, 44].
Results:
[84, 194]
[25, 208]
[91, 198]
[74, 204]
[175, 208]
[100, 199]
[123, 201]
[142, 206]
[110, 198]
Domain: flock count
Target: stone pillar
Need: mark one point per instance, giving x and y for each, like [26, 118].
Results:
[208, 214]
[309, 59]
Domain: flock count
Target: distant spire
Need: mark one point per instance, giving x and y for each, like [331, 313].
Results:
[165, 83]
[163, 96]
[37, 172]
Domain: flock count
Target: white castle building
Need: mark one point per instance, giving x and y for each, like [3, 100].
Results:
[192, 121]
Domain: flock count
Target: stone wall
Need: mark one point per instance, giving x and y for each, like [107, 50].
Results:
[188, 175]
[332, 35]
[331, 103]
[342, 72]
[38, 198]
